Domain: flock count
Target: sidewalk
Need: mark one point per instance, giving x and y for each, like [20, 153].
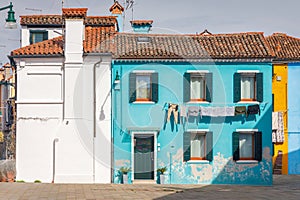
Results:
[284, 187]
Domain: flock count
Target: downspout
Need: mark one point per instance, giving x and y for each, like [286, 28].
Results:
[54, 151]
[94, 116]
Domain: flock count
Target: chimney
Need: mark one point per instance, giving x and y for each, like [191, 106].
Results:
[74, 33]
[117, 10]
[141, 26]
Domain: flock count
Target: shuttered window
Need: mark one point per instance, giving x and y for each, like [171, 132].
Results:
[143, 87]
[247, 146]
[197, 146]
[197, 87]
[248, 87]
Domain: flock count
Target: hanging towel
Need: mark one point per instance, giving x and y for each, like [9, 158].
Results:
[274, 120]
[205, 111]
[253, 109]
[193, 111]
[218, 112]
[240, 110]
[229, 111]
[277, 127]
[183, 111]
[173, 108]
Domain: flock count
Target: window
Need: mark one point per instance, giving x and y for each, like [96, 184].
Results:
[38, 36]
[247, 146]
[197, 87]
[248, 87]
[197, 146]
[143, 86]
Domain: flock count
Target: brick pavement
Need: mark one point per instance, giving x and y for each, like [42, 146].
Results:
[284, 187]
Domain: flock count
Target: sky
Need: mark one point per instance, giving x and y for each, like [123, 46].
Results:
[171, 16]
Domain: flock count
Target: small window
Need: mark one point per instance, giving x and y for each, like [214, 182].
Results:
[143, 87]
[197, 87]
[248, 87]
[247, 146]
[38, 36]
[197, 146]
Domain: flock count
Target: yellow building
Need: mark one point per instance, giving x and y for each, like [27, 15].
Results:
[280, 104]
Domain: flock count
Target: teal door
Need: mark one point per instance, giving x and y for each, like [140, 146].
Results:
[144, 157]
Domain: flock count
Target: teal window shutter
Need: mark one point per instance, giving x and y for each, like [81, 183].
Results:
[132, 87]
[186, 87]
[258, 146]
[186, 146]
[209, 146]
[45, 35]
[236, 87]
[235, 146]
[259, 87]
[154, 87]
[209, 87]
[31, 38]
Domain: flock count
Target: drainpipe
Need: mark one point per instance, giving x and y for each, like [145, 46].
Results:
[54, 150]
[94, 116]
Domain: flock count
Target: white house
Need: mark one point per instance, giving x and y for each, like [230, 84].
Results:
[64, 98]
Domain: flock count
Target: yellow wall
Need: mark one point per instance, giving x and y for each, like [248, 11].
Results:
[279, 89]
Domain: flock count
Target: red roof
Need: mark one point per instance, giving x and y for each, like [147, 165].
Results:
[215, 46]
[285, 47]
[74, 12]
[56, 20]
[160, 46]
[116, 5]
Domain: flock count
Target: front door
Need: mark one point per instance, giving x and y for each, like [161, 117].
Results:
[144, 156]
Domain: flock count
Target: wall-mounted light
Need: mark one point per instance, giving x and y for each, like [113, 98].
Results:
[117, 81]
[11, 20]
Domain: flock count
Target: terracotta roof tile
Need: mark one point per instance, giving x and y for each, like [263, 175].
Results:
[97, 39]
[47, 47]
[56, 20]
[116, 5]
[216, 46]
[284, 46]
[74, 12]
[141, 22]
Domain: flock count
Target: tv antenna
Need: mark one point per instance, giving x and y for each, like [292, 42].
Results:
[34, 9]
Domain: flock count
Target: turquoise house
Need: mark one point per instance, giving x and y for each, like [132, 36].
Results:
[199, 105]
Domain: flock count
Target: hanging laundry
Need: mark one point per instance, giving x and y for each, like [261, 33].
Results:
[205, 111]
[229, 111]
[183, 114]
[277, 127]
[253, 110]
[240, 110]
[173, 108]
[193, 111]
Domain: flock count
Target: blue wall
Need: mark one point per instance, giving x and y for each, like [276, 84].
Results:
[222, 170]
[294, 118]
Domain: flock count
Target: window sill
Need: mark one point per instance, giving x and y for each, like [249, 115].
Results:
[143, 102]
[247, 162]
[198, 162]
[198, 102]
[253, 102]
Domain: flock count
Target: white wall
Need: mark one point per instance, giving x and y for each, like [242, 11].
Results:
[41, 117]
